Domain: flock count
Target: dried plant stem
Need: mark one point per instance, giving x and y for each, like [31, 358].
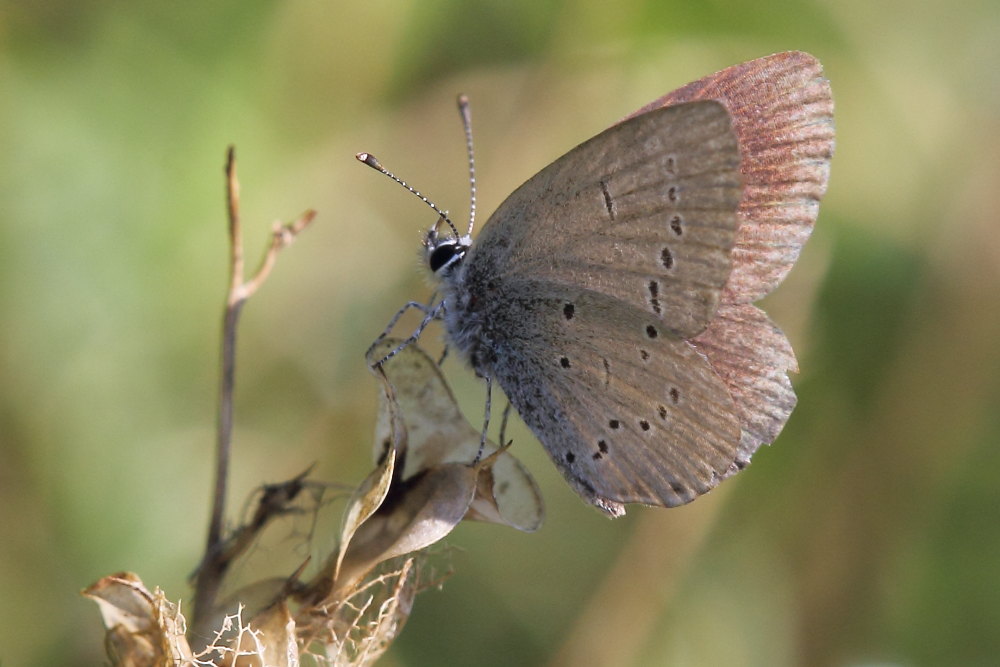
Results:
[216, 558]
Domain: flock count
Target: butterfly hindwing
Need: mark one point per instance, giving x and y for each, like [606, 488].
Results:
[628, 412]
[753, 357]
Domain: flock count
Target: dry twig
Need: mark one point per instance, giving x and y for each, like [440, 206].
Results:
[217, 559]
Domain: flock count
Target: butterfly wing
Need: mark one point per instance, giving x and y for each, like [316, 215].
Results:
[644, 212]
[753, 357]
[782, 111]
[612, 289]
[628, 412]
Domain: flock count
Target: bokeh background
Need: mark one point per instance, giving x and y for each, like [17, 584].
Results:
[868, 534]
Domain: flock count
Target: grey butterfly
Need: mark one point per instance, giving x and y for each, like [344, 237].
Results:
[610, 295]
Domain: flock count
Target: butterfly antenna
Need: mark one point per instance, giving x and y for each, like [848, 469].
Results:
[463, 108]
[373, 162]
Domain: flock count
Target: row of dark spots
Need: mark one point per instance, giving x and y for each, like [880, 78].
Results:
[616, 424]
[674, 393]
[673, 194]
[602, 449]
[654, 296]
[667, 259]
[675, 398]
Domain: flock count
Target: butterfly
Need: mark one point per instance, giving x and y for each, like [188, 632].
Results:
[611, 295]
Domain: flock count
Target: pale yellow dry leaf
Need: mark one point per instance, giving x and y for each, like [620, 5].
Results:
[143, 628]
[438, 433]
[418, 513]
[365, 501]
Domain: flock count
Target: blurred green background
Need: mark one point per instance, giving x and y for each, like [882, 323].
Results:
[868, 534]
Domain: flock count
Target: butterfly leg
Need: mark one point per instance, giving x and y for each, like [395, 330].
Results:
[431, 312]
[422, 307]
[486, 420]
[503, 425]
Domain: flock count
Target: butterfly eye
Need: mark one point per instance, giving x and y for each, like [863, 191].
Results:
[444, 254]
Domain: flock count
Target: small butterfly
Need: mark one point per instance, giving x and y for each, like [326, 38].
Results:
[610, 295]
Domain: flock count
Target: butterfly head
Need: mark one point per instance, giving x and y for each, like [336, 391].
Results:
[444, 254]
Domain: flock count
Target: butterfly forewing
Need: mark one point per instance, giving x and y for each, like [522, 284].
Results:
[645, 212]
[782, 110]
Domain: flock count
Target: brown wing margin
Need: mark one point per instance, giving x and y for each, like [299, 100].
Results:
[782, 110]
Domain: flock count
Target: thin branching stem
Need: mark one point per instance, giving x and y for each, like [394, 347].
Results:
[216, 558]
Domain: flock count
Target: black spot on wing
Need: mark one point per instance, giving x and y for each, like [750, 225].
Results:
[654, 296]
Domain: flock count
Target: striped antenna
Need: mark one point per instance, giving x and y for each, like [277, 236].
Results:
[463, 109]
[373, 162]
